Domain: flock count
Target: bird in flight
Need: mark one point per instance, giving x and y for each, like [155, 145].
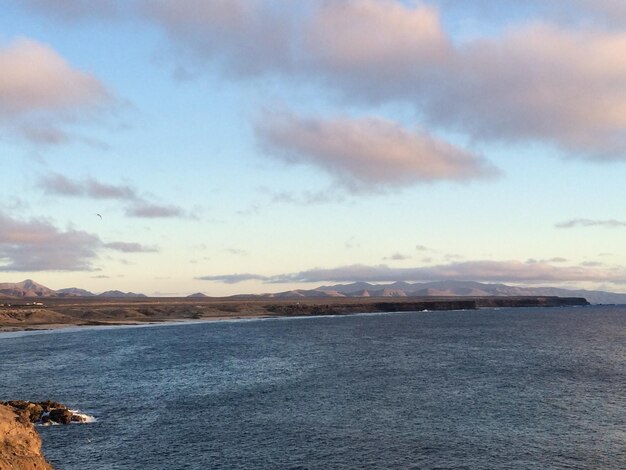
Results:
[99, 216]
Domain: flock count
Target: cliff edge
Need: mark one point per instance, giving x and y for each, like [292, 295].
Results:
[20, 445]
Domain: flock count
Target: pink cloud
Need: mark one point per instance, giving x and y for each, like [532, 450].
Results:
[37, 245]
[371, 42]
[480, 270]
[40, 93]
[564, 86]
[370, 152]
[248, 37]
[36, 79]
[150, 210]
[64, 186]
[130, 247]
[538, 82]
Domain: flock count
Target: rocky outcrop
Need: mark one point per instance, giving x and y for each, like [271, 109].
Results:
[20, 445]
[45, 412]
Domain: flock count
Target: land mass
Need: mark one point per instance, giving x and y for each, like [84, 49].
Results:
[20, 445]
[54, 312]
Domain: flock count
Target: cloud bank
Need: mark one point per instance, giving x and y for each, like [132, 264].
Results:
[487, 271]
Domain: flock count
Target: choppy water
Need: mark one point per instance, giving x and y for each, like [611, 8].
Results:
[506, 389]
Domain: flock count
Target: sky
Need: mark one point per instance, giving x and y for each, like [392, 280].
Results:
[251, 146]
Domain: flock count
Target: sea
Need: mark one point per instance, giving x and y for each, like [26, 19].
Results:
[523, 388]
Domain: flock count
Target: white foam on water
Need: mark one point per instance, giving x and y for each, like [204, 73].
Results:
[86, 418]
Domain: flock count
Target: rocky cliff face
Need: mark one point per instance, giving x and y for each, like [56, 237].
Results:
[20, 445]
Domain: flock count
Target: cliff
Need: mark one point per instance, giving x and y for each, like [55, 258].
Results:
[408, 304]
[103, 311]
[20, 445]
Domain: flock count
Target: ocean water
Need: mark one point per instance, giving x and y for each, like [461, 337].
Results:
[489, 389]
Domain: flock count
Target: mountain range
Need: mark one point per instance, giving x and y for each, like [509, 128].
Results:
[29, 288]
[445, 289]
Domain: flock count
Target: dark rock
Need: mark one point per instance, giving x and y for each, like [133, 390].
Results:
[78, 418]
[45, 420]
[35, 411]
[61, 416]
[32, 410]
[45, 412]
[51, 405]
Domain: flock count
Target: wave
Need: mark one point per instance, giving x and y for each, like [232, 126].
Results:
[87, 419]
[83, 418]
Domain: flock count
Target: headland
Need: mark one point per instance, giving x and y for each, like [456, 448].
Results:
[48, 313]
[20, 444]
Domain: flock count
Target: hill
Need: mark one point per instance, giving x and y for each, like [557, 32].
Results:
[446, 289]
[27, 288]
[30, 289]
[120, 294]
[74, 292]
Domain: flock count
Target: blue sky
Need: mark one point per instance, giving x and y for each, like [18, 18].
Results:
[263, 145]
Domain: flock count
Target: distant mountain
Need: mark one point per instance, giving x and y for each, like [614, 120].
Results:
[74, 292]
[27, 288]
[30, 288]
[446, 289]
[197, 295]
[120, 294]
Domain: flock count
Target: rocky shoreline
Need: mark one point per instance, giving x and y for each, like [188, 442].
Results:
[45, 412]
[20, 444]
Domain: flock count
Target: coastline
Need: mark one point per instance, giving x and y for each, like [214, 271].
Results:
[57, 313]
[20, 444]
